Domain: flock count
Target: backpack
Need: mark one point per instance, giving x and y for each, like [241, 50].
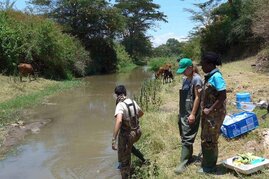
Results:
[135, 132]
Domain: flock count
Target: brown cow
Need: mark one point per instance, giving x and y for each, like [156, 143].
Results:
[168, 75]
[166, 72]
[26, 69]
[159, 72]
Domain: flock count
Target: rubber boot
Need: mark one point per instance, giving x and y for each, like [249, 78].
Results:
[210, 157]
[186, 154]
[138, 154]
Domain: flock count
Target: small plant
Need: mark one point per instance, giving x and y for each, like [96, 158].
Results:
[148, 97]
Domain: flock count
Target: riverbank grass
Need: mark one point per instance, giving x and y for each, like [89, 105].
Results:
[16, 96]
[160, 141]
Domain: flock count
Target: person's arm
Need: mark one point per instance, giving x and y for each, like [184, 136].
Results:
[196, 104]
[218, 103]
[116, 130]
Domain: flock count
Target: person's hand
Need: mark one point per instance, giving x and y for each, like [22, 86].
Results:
[191, 119]
[207, 111]
[114, 146]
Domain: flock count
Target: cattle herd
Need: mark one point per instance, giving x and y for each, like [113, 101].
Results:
[165, 73]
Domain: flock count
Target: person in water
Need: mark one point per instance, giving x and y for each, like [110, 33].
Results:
[127, 129]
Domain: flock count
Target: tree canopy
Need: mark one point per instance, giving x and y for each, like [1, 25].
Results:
[140, 15]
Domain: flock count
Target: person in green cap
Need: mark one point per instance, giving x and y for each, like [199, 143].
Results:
[189, 110]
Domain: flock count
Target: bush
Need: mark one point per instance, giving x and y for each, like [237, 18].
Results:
[33, 39]
[156, 63]
[192, 49]
[124, 61]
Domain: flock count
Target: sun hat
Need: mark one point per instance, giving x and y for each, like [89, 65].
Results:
[183, 64]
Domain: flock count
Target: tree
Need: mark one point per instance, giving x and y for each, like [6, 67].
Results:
[95, 22]
[85, 19]
[7, 5]
[140, 16]
[174, 45]
[260, 24]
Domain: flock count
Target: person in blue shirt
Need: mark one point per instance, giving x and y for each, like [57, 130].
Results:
[213, 110]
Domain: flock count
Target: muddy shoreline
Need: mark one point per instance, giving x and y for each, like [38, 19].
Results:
[15, 133]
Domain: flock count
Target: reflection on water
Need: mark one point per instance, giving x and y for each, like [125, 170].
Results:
[77, 144]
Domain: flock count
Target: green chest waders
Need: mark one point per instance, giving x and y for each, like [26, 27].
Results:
[187, 131]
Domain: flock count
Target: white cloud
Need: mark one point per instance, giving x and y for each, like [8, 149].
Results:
[161, 39]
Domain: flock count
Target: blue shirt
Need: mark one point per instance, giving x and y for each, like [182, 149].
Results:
[217, 80]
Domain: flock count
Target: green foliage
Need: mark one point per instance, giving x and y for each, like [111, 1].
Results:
[148, 97]
[192, 49]
[124, 62]
[172, 48]
[156, 62]
[95, 23]
[229, 30]
[161, 51]
[38, 41]
[226, 27]
[140, 15]
[7, 5]
[10, 42]
[138, 46]
[103, 55]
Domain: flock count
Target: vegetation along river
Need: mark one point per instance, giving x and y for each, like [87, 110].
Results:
[77, 143]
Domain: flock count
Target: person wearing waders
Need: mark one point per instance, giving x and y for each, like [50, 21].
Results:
[213, 110]
[127, 114]
[189, 110]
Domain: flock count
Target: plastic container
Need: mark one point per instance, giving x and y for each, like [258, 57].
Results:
[243, 123]
[242, 97]
[245, 169]
[247, 106]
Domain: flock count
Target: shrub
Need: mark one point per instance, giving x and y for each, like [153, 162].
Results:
[124, 61]
[39, 41]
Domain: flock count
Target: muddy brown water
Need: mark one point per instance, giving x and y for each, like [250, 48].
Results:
[77, 143]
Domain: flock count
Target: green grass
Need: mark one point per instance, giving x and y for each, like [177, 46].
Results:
[129, 67]
[160, 141]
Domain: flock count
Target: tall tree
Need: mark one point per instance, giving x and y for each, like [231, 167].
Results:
[174, 45]
[95, 22]
[140, 15]
[86, 19]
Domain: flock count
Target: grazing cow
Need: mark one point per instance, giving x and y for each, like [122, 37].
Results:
[26, 69]
[165, 72]
[168, 75]
[159, 72]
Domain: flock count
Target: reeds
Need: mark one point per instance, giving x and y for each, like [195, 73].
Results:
[148, 97]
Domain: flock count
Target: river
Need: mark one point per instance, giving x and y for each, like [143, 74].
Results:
[77, 143]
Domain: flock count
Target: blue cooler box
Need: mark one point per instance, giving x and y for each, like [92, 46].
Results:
[237, 128]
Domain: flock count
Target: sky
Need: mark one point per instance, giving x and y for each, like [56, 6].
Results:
[179, 24]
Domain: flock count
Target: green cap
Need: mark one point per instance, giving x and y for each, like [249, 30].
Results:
[183, 64]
